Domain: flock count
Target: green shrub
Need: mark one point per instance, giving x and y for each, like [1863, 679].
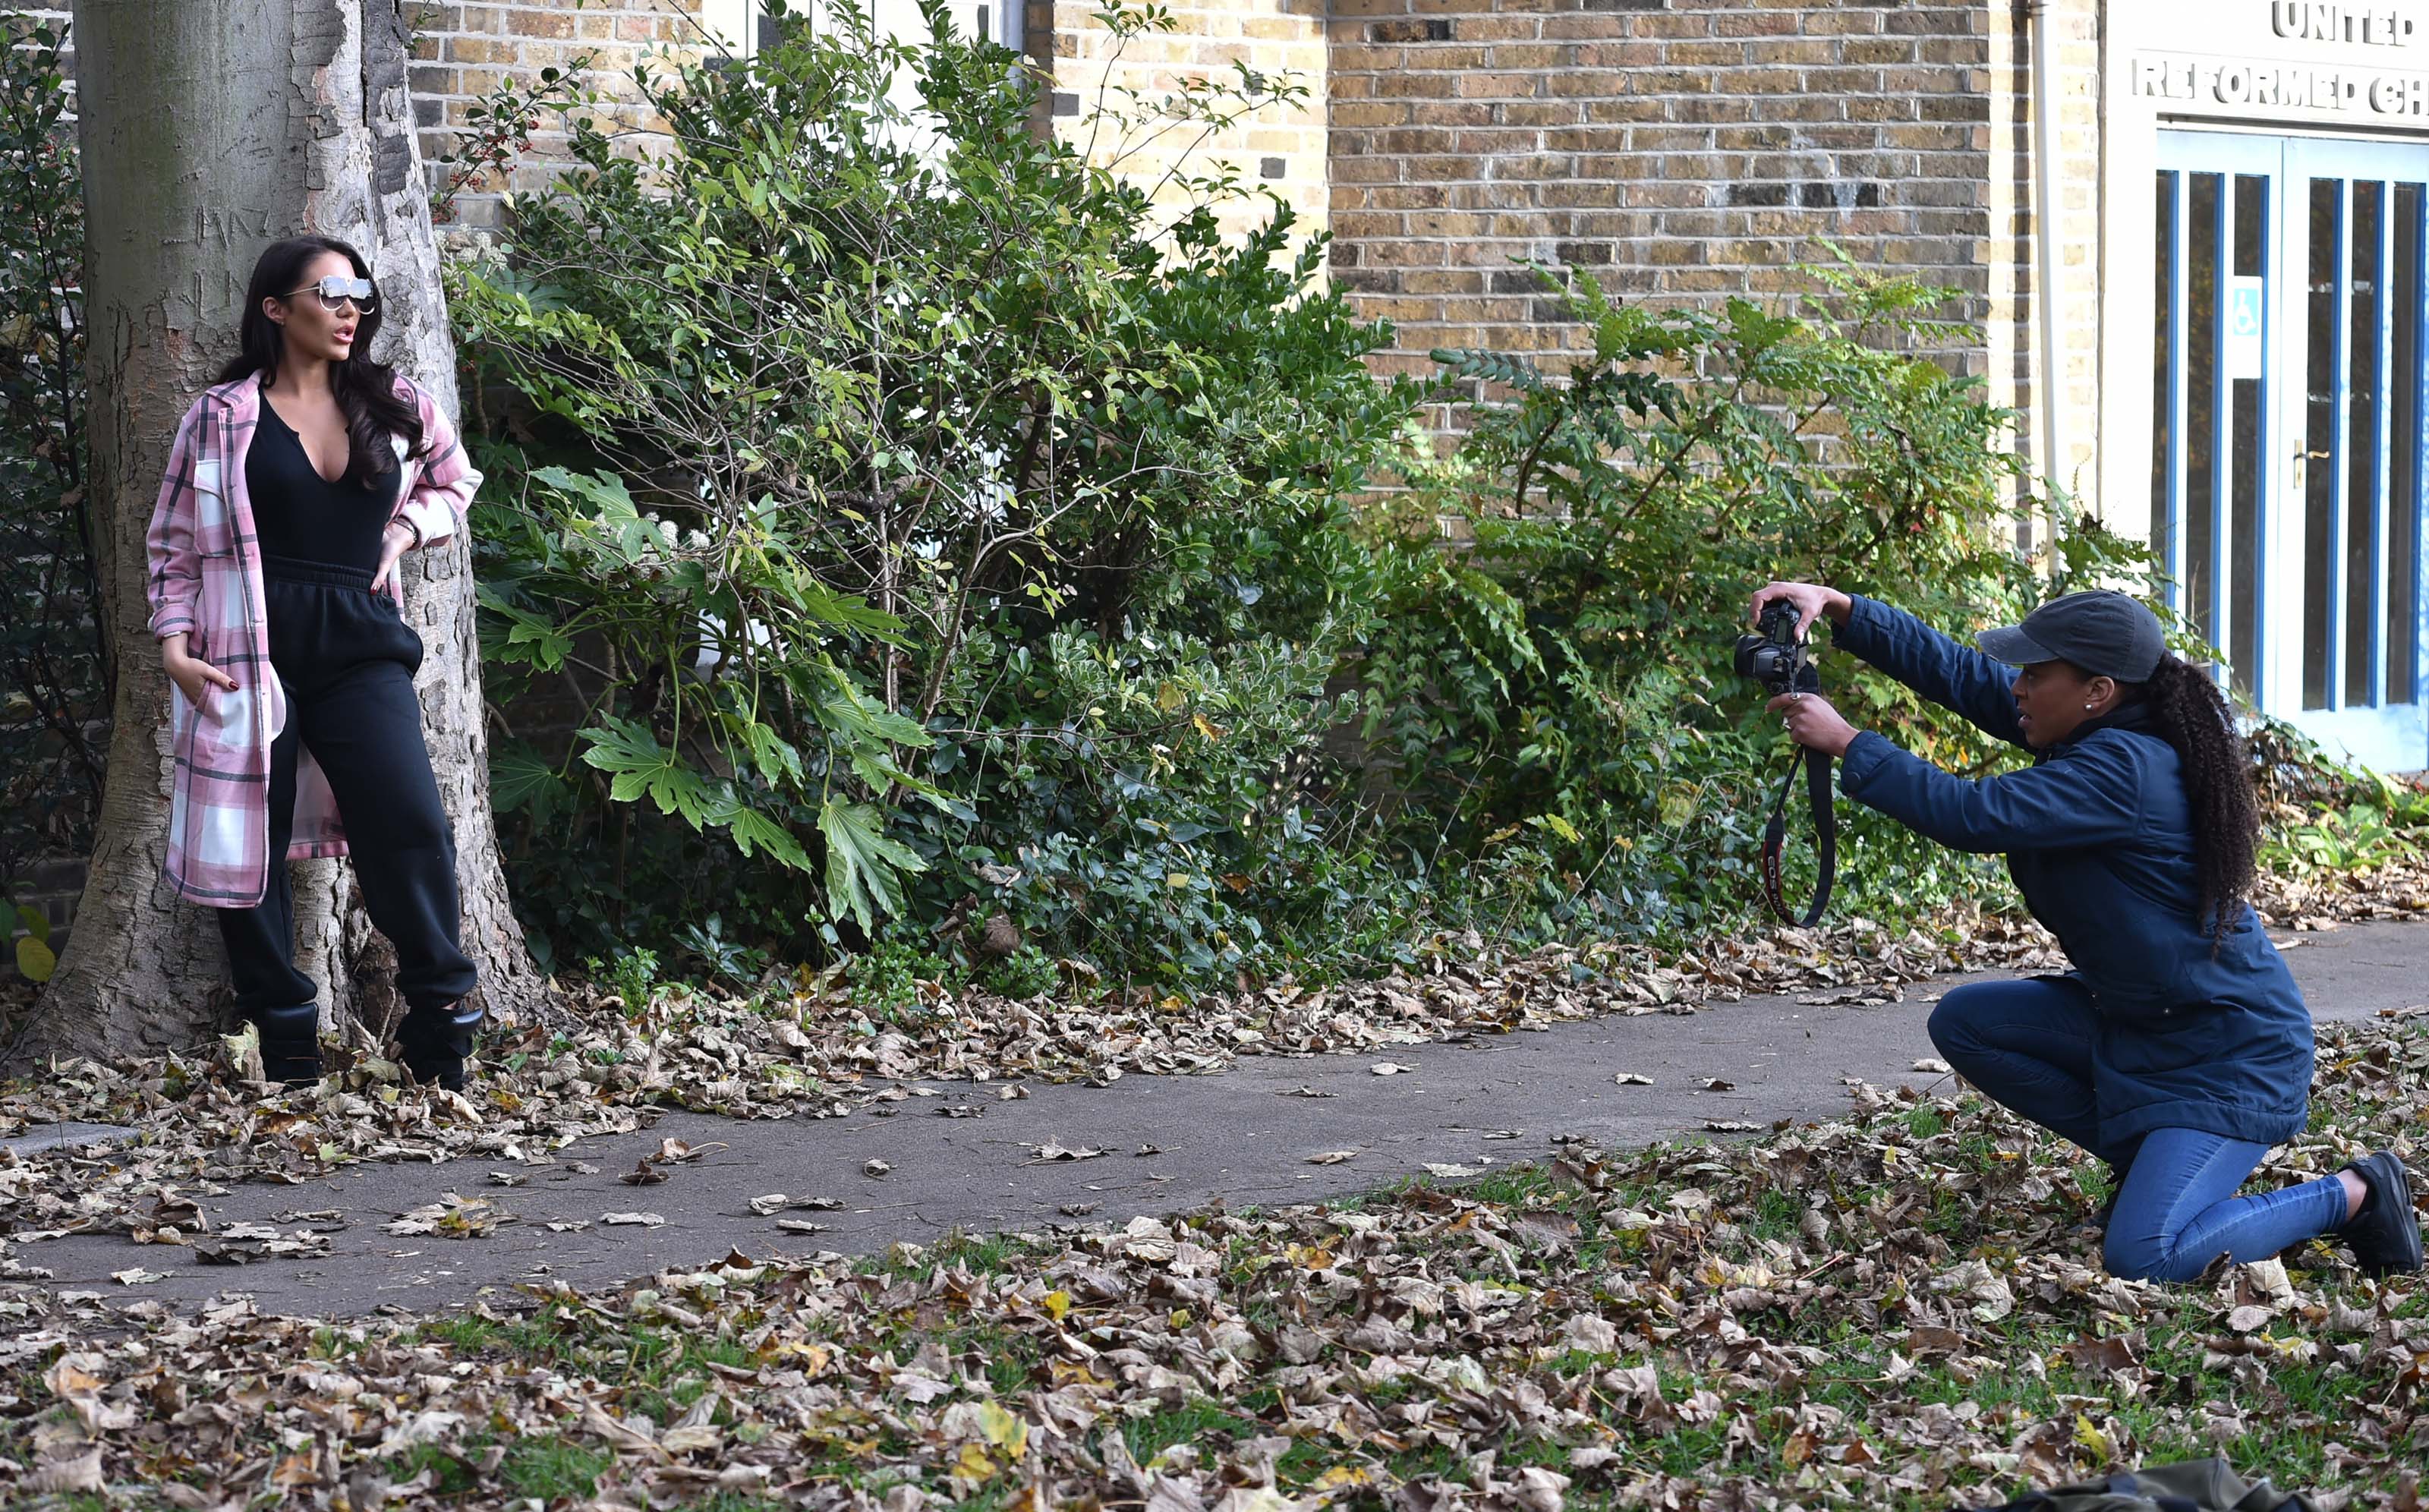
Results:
[55, 662]
[884, 978]
[931, 529]
[1554, 704]
[2358, 838]
[915, 513]
[1027, 973]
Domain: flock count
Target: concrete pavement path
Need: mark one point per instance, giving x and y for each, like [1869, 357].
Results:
[1245, 1135]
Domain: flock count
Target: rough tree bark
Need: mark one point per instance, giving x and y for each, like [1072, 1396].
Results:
[209, 128]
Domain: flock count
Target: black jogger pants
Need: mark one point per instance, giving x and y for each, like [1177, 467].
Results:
[346, 658]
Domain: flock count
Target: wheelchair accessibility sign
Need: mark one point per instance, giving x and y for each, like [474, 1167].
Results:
[2245, 323]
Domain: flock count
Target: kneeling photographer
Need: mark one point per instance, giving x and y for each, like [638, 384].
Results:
[2179, 1049]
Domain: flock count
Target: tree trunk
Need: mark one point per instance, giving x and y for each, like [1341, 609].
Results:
[208, 129]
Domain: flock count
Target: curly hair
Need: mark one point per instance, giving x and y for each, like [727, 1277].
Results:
[2189, 713]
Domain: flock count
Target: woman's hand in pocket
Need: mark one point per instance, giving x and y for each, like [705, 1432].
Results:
[190, 673]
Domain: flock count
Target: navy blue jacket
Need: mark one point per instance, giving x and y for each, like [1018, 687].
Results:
[2098, 835]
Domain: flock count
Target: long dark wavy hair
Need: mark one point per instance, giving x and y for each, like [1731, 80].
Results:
[366, 391]
[2190, 713]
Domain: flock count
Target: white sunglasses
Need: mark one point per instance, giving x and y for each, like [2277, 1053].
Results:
[337, 289]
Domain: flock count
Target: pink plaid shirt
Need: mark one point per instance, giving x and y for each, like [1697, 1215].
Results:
[206, 580]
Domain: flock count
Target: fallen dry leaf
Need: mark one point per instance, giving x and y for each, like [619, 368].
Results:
[776, 1201]
[1055, 1154]
[450, 1217]
[66, 1476]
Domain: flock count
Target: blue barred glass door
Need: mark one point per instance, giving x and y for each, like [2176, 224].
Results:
[2287, 422]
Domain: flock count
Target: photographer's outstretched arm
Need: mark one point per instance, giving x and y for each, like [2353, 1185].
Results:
[2091, 797]
[1949, 673]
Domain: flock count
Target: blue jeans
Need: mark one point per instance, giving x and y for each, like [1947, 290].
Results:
[2028, 1045]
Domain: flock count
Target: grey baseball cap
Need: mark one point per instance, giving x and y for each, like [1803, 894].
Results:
[2107, 634]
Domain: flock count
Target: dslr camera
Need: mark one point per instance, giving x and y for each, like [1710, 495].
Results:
[1772, 655]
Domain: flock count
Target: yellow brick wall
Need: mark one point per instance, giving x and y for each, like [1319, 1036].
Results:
[465, 49]
[1683, 149]
[1280, 148]
[1681, 152]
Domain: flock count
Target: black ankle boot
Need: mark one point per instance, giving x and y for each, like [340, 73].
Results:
[291, 1044]
[436, 1044]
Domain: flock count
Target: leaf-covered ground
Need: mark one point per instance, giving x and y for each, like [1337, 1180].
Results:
[1899, 1311]
[1896, 1311]
[816, 1053]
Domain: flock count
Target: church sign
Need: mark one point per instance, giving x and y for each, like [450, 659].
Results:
[2286, 61]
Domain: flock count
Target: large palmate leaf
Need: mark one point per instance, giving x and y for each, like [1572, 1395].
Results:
[530, 638]
[618, 523]
[864, 868]
[642, 768]
[631, 755]
[519, 775]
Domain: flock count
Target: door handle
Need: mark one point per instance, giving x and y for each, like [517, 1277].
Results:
[2301, 468]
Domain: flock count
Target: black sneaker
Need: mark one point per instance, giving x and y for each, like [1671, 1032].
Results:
[2384, 1237]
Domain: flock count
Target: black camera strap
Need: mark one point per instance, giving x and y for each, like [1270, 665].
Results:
[1825, 836]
